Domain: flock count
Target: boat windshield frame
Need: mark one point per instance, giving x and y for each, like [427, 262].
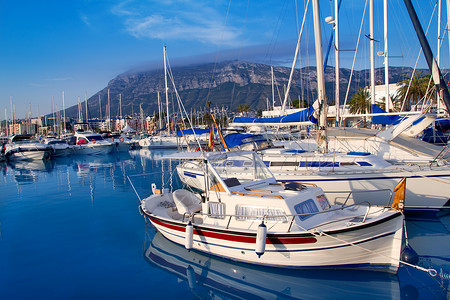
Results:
[225, 165]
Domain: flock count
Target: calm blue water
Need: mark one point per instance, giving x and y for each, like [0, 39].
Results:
[71, 229]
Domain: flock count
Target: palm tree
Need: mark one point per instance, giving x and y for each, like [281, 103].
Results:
[417, 90]
[360, 103]
[243, 109]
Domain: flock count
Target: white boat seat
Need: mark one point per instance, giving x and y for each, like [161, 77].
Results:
[186, 202]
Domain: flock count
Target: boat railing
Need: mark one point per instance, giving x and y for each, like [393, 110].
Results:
[284, 218]
[350, 194]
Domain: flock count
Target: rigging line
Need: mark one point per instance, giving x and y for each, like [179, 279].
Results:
[423, 176]
[354, 57]
[182, 107]
[240, 50]
[417, 60]
[218, 51]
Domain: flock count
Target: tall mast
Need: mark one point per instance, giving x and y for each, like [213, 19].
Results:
[109, 113]
[166, 89]
[53, 115]
[432, 64]
[64, 114]
[438, 55]
[386, 59]
[372, 56]
[85, 103]
[159, 111]
[336, 55]
[100, 106]
[321, 134]
[120, 106]
[273, 88]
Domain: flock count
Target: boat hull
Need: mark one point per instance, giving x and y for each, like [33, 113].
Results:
[373, 246]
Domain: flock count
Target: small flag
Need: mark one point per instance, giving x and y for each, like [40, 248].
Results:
[211, 138]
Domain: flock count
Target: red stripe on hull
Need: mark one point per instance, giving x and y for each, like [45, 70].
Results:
[238, 238]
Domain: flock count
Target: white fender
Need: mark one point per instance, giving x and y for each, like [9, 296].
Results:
[189, 239]
[153, 188]
[261, 236]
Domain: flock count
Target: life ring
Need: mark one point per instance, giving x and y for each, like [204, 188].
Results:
[93, 141]
[121, 139]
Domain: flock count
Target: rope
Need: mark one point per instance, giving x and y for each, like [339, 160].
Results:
[431, 272]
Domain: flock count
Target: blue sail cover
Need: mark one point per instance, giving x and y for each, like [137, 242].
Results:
[198, 131]
[383, 120]
[300, 116]
[237, 139]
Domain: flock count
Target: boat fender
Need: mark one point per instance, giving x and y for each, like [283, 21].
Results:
[121, 139]
[112, 139]
[189, 239]
[409, 255]
[261, 236]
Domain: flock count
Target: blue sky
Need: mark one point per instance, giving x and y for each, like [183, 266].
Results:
[51, 46]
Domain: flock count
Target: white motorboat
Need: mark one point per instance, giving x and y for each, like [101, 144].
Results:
[122, 142]
[160, 142]
[338, 173]
[90, 143]
[26, 147]
[60, 148]
[265, 222]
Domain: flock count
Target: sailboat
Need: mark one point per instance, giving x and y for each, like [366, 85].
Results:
[163, 140]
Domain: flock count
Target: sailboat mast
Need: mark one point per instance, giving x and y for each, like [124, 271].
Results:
[336, 54]
[120, 106]
[432, 65]
[386, 59]
[85, 104]
[372, 55]
[438, 55]
[166, 89]
[109, 113]
[159, 111]
[64, 114]
[322, 143]
[273, 88]
[100, 106]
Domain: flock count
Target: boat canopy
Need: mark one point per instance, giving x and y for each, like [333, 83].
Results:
[237, 139]
[383, 119]
[304, 116]
[197, 131]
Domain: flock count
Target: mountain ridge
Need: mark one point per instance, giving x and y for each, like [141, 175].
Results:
[228, 84]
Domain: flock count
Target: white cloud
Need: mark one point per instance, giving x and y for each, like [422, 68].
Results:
[177, 20]
[85, 19]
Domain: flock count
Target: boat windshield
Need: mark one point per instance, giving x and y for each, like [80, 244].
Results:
[95, 138]
[244, 167]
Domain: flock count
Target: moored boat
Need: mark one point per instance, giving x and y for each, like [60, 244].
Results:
[90, 143]
[264, 222]
[25, 147]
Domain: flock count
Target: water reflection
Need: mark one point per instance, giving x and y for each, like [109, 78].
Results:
[210, 277]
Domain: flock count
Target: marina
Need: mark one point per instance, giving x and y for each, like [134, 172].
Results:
[190, 182]
[71, 228]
